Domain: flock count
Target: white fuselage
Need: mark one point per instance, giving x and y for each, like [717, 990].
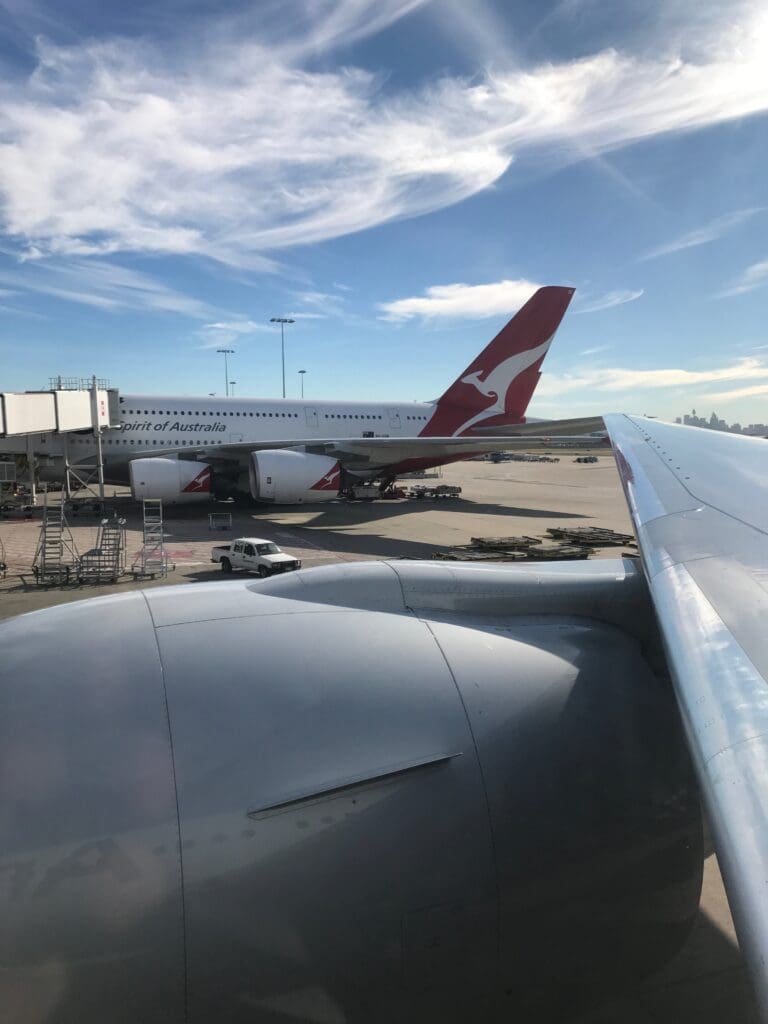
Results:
[150, 424]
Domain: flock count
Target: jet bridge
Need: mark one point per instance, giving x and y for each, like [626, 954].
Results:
[48, 412]
[27, 417]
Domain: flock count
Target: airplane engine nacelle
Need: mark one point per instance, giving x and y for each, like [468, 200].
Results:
[289, 477]
[175, 481]
[368, 793]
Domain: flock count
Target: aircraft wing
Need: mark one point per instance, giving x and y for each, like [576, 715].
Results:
[588, 425]
[699, 502]
[380, 452]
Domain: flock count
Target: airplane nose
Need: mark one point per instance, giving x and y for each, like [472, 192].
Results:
[90, 890]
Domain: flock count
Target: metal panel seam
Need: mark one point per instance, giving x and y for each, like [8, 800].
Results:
[428, 625]
[398, 577]
[734, 746]
[180, 857]
[338, 609]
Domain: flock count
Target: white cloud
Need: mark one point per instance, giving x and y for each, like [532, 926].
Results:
[755, 276]
[609, 300]
[462, 301]
[244, 146]
[619, 379]
[707, 233]
[595, 350]
[239, 326]
[104, 286]
[224, 332]
[734, 394]
[14, 311]
[321, 302]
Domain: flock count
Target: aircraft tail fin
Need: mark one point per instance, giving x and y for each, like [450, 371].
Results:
[497, 386]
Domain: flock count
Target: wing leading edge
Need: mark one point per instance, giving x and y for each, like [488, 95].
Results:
[699, 502]
[383, 452]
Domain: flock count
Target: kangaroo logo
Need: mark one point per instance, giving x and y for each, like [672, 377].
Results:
[498, 381]
[202, 482]
[328, 482]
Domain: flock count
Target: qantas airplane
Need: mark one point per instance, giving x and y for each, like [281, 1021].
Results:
[181, 449]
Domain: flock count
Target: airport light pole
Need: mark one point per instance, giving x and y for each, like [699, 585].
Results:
[282, 320]
[226, 352]
[301, 378]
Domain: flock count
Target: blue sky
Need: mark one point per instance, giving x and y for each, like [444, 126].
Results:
[397, 176]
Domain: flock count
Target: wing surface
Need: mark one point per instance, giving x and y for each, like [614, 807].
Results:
[587, 425]
[381, 452]
[699, 502]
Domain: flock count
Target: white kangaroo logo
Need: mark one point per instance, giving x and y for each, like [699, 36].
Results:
[327, 480]
[499, 381]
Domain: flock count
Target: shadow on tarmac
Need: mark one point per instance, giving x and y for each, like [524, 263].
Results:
[338, 513]
[327, 516]
[706, 983]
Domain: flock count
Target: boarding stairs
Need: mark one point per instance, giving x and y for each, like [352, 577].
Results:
[104, 563]
[152, 560]
[56, 554]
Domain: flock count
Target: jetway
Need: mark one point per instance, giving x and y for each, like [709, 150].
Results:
[28, 417]
[48, 412]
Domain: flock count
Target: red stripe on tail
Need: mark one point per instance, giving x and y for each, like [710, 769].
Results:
[496, 388]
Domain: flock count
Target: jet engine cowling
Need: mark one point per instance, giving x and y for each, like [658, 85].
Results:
[175, 481]
[367, 793]
[288, 477]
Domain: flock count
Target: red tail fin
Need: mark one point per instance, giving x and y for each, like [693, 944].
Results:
[496, 388]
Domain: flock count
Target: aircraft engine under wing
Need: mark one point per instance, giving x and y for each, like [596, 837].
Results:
[699, 501]
[370, 793]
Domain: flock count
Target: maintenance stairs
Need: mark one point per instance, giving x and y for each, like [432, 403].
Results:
[152, 560]
[106, 562]
[56, 555]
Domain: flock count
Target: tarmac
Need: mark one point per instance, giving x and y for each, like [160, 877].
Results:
[706, 982]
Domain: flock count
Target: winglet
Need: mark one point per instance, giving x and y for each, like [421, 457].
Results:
[496, 388]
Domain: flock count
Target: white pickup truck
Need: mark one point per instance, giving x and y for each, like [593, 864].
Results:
[254, 555]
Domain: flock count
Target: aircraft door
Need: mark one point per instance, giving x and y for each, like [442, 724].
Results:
[311, 414]
[235, 438]
[394, 418]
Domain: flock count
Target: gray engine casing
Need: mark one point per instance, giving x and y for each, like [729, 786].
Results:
[387, 791]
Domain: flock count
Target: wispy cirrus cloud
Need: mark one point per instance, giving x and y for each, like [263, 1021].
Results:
[709, 232]
[754, 276]
[224, 332]
[104, 286]
[735, 394]
[595, 350]
[322, 304]
[609, 300]
[621, 379]
[123, 145]
[461, 301]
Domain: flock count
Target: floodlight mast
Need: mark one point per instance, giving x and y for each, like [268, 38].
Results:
[282, 320]
[225, 352]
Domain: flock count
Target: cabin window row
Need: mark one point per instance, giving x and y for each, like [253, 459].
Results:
[290, 415]
[204, 412]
